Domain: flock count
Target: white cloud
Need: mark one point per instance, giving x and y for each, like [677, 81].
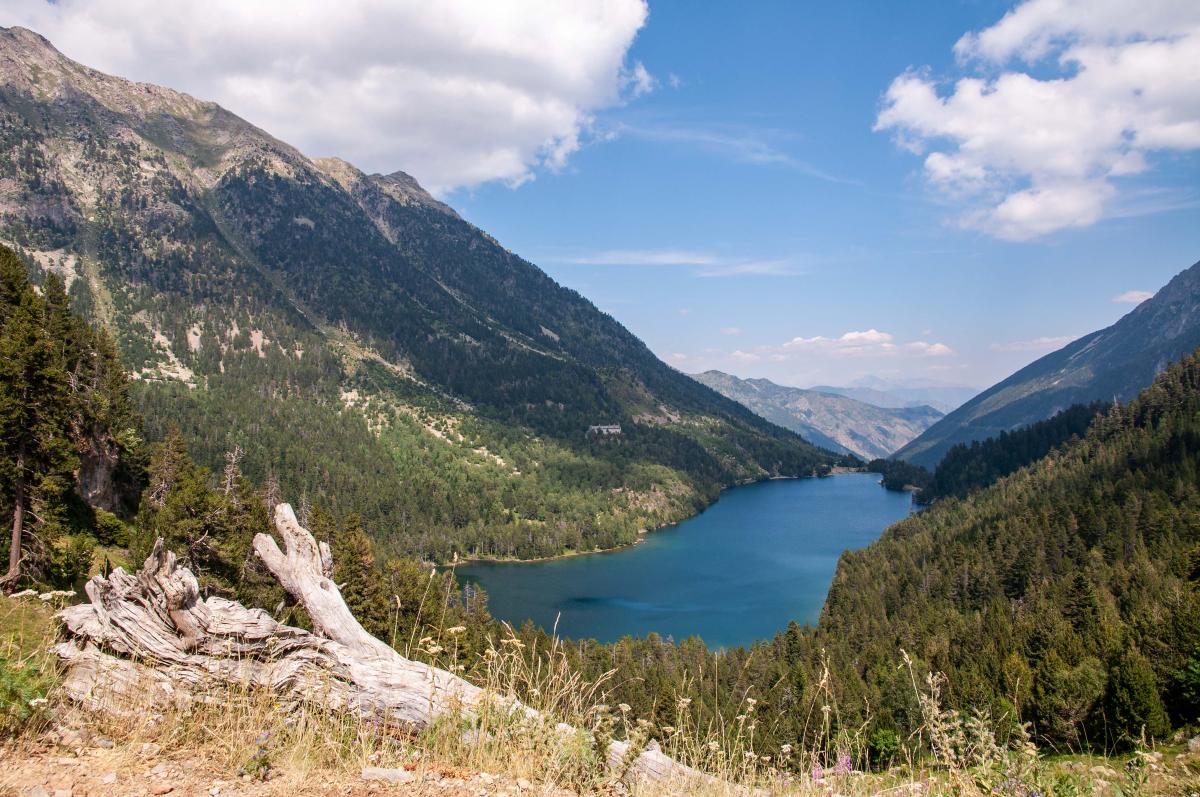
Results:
[871, 336]
[1116, 83]
[644, 257]
[1037, 344]
[868, 343]
[745, 356]
[731, 330]
[456, 93]
[704, 264]
[1132, 297]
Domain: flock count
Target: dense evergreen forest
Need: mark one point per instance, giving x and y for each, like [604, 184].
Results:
[1065, 594]
[970, 467]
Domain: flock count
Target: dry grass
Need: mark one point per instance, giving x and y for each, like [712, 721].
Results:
[247, 732]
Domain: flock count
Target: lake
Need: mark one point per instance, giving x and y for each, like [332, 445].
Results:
[762, 555]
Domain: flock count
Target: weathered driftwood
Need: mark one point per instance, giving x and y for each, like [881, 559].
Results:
[150, 636]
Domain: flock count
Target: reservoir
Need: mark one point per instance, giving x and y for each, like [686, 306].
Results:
[762, 555]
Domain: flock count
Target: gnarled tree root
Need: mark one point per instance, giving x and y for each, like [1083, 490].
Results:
[150, 636]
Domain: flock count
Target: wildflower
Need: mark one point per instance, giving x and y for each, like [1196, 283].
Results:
[684, 702]
[740, 717]
[766, 759]
[25, 593]
[817, 772]
[750, 702]
[624, 707]
[38, 701]
[749, 755]
[668, 729]
[713, 746]
[844, 764]
[433, 650]
[456, 630]
[425, 640]
[786, 749]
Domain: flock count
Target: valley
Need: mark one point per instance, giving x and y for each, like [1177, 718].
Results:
[312, 484]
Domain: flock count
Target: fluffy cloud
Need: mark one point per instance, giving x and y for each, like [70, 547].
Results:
[867, 343]
[457, 93]
[1132, 297]
[1034, 154]
[1037, 344]
[703, 264]
[731, 330]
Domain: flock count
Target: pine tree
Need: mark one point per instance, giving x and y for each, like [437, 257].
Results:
[358, 578]
[37, 457]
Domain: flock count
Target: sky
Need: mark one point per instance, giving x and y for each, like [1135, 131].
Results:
[809, 192]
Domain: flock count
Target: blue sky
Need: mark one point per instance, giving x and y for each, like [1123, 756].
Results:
[811, 192]
[756, 149]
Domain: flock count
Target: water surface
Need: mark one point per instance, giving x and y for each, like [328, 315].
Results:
[762, 555]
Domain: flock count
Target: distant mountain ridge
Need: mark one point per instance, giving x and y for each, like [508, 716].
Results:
[882, 393]
[352, 335]
[836, 422]
[1112, 364]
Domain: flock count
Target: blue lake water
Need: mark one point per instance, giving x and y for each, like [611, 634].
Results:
[762, 555]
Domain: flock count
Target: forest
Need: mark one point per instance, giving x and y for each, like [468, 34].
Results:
[1064, 595]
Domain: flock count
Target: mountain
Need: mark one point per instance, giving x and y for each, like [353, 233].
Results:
[347, 337]
[836, 422]
[883, 393]
[1113, 364]
[1067, 593]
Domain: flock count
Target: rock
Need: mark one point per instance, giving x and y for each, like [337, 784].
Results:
[1194, 744]
[159, 769]
[62, 793]
[109, 779]
[388, 775]
[104, 742]
[161, 788]
[523, 784]
[39, 791]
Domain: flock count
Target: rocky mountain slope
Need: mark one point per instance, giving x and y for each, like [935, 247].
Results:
[836, 422]
[1113, 364]
[348, 335]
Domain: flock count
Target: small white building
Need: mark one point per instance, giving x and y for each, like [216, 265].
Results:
[605, 429]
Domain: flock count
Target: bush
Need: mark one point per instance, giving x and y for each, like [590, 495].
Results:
[883, 746]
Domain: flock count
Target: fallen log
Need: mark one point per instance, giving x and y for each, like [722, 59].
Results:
[149, 635]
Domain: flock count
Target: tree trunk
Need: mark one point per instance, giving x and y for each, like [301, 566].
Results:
[18, 523]
[150, 635]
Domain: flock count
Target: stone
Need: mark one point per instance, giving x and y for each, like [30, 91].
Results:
[390, 775]
[109, 779]
[62, 793]
[39, 791]
[161, 788]
[1194, 744]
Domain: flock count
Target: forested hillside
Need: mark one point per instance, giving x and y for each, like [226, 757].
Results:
[966, 468]
[70, 445]
[1068, 592]
[1112, 364]
[359, 343]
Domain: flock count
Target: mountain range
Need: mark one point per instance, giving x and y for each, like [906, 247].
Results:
[915, 393]
[837, 422]
[277, 307]
[1113, 364]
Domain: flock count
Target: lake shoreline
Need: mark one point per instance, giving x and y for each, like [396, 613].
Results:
[756, 559]
[835, 471]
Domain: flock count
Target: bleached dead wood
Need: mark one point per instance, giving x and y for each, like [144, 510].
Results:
[150, 635]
